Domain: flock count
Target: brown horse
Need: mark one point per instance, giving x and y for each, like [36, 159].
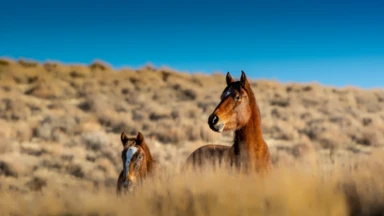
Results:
[238, 111]
[137, 162]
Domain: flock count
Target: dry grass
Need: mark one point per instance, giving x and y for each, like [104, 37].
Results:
[59, 144]
[342, 188]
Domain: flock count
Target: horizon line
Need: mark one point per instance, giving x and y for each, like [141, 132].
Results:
[173, 69]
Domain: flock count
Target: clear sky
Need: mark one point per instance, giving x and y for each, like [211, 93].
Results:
[333, 42]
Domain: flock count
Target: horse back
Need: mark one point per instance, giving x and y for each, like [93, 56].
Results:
[213, 154]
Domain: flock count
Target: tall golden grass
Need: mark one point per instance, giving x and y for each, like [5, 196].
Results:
[220, 192]
[342, 187]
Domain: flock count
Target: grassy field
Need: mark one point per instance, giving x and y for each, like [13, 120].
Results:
[60, 144]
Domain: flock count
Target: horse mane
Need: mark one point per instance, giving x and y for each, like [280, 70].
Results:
[252, 101]
[255, 120]
[148, 155]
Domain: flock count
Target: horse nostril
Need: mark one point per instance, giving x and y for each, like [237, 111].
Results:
[214, 120]
[127, 184]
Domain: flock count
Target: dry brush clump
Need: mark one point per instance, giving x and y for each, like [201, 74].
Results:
[60, 128]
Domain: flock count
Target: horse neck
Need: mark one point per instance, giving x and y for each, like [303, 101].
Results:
[249, 138]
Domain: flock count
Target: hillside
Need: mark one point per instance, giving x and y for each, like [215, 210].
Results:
[61, 124]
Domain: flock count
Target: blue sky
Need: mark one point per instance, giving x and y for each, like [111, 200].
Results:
[332, 42]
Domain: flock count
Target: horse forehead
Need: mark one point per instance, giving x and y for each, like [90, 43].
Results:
[131, 142]
[227, 92]
[130, 152]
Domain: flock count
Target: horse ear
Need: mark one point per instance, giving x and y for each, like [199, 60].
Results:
[124, 138]
[140, 137]
[229, 78]
[243, 79]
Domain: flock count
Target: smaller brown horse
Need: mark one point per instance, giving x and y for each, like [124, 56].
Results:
[137, 162]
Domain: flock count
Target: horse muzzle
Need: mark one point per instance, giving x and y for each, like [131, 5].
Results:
[215, 124]
[128, 185]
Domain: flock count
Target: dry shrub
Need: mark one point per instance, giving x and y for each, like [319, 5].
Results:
[28, 63]
[107, 167]
[6, 129]
[111, 114]
[5, 62]
[168, 134]
[184, 131]
[89, 125]
[33, 149]
[50, 65]
[50, 90]
[79, 72]
[372, 135]
[117, 122]
[5, 145]
[159, 114]
[17, 74]
[280, 101]
[17, 165]
[22, 131]
[99, 65]
[368, 101]
[283, 131]
[14, 109]
[333, 138]
[36, 184]
[151, 75]
[95, 140]
[54, 126]
[302, 149]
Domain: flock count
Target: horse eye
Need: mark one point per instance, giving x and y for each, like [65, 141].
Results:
[237, 97]
[140, 157]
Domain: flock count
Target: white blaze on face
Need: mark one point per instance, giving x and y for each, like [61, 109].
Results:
[129, 153]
